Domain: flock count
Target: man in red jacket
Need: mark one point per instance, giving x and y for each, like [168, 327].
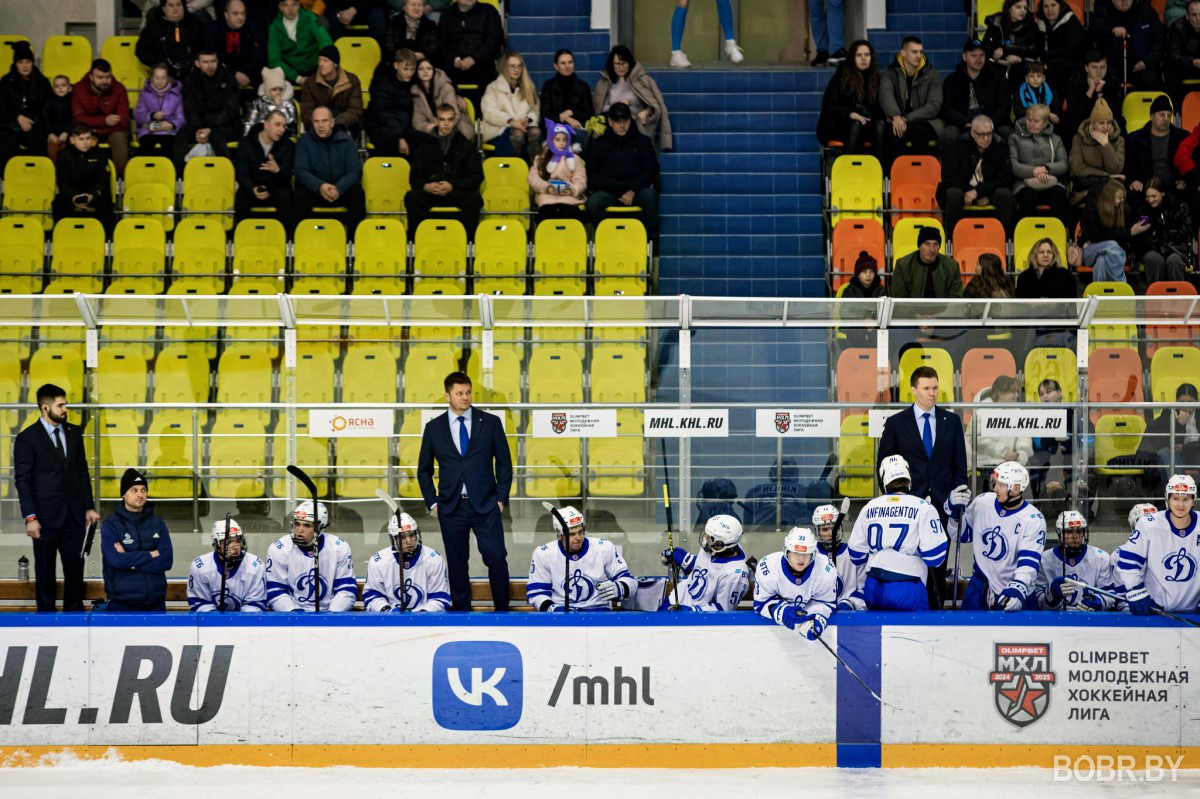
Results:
[100, 102]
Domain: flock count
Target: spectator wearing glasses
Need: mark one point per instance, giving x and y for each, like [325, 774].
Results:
[976, 172]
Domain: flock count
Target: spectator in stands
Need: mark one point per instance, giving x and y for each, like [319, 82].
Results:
[389, 118]
[81, 174]
[1045, 275]
[987, 452]
[274, 94]
[1188, 167]
[1174, 10]
[990, 281]
[264, 163]
[1086, 87]
[1066, 42]
[1187, 435]
[171, 36]
[1039, 165]
[446, 171]
[432, 89]
[294, 39]
[679, 23]
[342, 13]
[624, 167]
[1013, 38]
[976, 172]
[827, 18]
[204, 7]
[1183, 52]
[926, 272]
[329, 172]
[240, 46]
[1130, 34]
[566, 99]
[413, 31]
[850, 111]
[867, 284]
[135, 547]
[58, 115]
[159, 113]
[470, 39]
[101, 102]
[1105, 234]
[976, 86]
[1097, 153]
[1166, 248]
[1034, 90]
[624, 80]
[1048, 451]
[910, 93]
[210, 103]
[1151, 151]
[24, 92]
[558, 177]
[334, 88]
[510, 112]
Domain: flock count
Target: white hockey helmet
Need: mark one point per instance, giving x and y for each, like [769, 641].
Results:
[824, 515]
[304, 513]
[721, 532]
[571, 515]
[1012, 474]
[1070, 521]
[405, 525]
[1181, 484]
[1139, 510]
[800, 541]
[235, 534]
[893, 468]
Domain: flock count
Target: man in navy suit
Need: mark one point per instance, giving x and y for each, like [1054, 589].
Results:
[933, 443]
[55, 492]
[471, 494]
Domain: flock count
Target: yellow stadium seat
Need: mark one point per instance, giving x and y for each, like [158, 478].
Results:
[132, 73]
[939, 359]
[424, 370]
[1107, 334]
[140, 250]
[245, 376]
[29, 188]
[203, 338]
[1117, 435]
[411, 431]
[237, 450]
[856, 188]
[198, 250]
[569, 333]
[16, 339]
[505, 190]
[555, 375]
[381, 249]
[77, 247]
[620, 287]
[618, 372]
[23, 255]
[169, 457]
[553, 468]
[506, 376]
[560, 249]
[856, 458]
[121, 380]
[360, 55]
[621, 248]
[905, 232]
[208, 188]
[1170, 367]
[1136, 109]
[6, 51]
[985, 9]
[369, 375]
[62, 366]
[315, 378]
[314, 336]
[377, 335]
[455, 313]
[1052, 363]
[10, 384]
[56, 333]
[617, 466]
[362, 466]
[320, 253]
[605, 315]
[66, 55]
[1030, 231]
[118, 449]
[260, 251]
[385, 182]
[312, 455]
[440, 249]
[501, 250]
[181, 375]
[502, 286]
[150, 190]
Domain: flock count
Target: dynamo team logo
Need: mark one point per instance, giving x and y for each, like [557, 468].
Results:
[1022, 681]
[997, 546]
[698, 584]
[304, 587]
[1181, 565]
[410, 596]
[582, 589]
[783, 422]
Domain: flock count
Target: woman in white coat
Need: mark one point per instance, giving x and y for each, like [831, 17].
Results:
[989, 451]
[509, 110]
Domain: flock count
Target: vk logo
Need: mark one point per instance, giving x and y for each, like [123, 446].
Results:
[477, 685]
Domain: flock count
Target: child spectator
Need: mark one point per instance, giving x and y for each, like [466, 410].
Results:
[558, 177]
[866, 285]
[1036, 90]
[58, 116]
[274, 94]
[82, 177]
[159, 113]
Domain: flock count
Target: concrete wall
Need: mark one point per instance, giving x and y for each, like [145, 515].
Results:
[38, 19]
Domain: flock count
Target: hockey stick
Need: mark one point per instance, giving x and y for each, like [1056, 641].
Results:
[1119, 598]
[394, 507]
[837, 528]
[562, 523]
[850, 671]
[88, 537]
[224, 565]
[957, 549]
[671, 543]
[298, 473]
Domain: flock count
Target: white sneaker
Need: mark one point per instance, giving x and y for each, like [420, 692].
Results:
[733, 51]
[678, 59]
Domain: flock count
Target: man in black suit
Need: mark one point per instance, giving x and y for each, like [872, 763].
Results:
[933, 443]
[55, 492]
[470, 495]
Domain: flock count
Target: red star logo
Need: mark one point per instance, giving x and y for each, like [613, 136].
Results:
[1024, 695]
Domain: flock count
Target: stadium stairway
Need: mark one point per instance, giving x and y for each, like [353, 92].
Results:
[941, 25]
[539, 28]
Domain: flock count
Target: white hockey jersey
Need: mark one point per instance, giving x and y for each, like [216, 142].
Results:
[714, 583]
[851, 577]
[595, 563]
[290, 576]
[898, 533]
[776, 585]
[245, 586]
[1094, 568]
[1162, 559]
[425, 589]
[1007, 544]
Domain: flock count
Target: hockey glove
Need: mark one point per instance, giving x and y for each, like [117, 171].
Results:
[958, 500]
[811, 626]
[1140, 603]
[1012, 598]
[680, 557]
[846, 606]
[1055, 592]
[1090, 601]
[787, 615]
[607, 590]
[396, 609]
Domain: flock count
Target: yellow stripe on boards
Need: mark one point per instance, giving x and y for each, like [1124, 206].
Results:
[1013, 756]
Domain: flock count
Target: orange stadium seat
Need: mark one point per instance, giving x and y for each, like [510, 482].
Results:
[914, 183]
[1114, 375]
[973, 237]
[850, 237]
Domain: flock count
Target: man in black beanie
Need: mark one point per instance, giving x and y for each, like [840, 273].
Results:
[336, 89]
[926, 272]
[136, 549]
[1150, 151]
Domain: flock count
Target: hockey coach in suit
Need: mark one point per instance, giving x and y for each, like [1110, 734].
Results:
[474, 480]
[933, 442]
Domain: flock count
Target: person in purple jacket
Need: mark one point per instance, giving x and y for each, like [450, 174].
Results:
[159, 113]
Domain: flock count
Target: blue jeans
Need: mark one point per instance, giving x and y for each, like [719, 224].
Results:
[1107, 260]
[827, 25]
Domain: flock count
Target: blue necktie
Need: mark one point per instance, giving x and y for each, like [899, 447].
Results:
[927, 437]
[462, 435]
